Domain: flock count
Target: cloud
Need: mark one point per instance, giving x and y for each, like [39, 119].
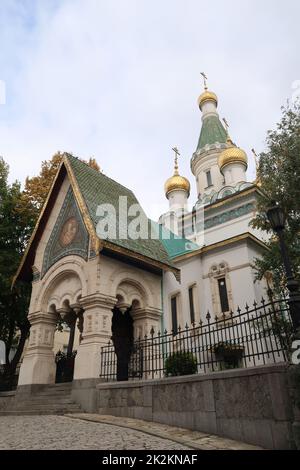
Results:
[119, 81]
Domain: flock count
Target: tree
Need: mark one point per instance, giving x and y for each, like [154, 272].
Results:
[19, 211]
[15, 229]
[37, 187]
[279, 176]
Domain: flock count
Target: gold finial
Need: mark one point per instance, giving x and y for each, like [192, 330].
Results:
[177, 154]
[204, 80]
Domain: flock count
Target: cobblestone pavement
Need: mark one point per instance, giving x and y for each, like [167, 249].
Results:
[92, 432]
[60, 432]
[192, 439]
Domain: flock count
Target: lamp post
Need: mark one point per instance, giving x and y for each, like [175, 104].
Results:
[276, 218]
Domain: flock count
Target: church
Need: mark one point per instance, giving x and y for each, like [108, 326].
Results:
[92, 268]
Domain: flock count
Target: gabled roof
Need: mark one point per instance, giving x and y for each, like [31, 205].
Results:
[212, 131]
[92, 188]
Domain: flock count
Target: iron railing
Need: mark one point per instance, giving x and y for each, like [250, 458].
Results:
[257, 336]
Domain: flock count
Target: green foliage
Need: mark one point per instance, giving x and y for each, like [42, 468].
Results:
[279, 175]
[15, 229]
[181, 363]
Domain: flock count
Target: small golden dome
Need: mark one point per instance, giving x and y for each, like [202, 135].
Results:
[231, 155]
[177, 182]
[207, 96]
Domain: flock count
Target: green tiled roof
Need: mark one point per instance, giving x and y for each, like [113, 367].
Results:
[96, 189]
[212, 131]
[176, 245]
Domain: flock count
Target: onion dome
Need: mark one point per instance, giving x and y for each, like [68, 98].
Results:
[177, 182]
[232, 154]
[207, 96]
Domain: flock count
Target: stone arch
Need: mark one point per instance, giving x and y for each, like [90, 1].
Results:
[124, 283]
[63, 287]
[71, 270]
[130, 293]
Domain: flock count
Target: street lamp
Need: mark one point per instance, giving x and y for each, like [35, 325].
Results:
[276, 218]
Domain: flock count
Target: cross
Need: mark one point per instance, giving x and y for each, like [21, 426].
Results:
[177, 154]
[204, 79]
[226, 125]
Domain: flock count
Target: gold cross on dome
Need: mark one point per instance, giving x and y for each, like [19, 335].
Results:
[204, 80]
[177, 154]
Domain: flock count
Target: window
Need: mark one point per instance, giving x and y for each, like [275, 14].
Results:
[192, 306]
[208, 178]
[223, 295]
[174, 315]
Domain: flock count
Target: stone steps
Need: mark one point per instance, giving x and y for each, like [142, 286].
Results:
[51, 400]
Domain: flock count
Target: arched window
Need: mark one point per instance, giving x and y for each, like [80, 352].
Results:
[220, 283]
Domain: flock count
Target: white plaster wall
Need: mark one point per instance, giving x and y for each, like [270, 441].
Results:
[208, 162]
[234, 173]
[177, 200]
[239, 258]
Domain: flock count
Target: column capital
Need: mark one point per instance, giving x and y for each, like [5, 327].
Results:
[149, 313]
[42, 317]
[98, 300]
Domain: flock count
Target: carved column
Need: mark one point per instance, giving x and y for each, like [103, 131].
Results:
[96, 333]
[38, 366]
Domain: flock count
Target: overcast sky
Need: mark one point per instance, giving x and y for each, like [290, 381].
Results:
[119, 80]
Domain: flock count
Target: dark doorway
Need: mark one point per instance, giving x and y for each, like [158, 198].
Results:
[122, 338]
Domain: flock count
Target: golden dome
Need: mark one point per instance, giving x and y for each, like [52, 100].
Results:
[177, 182]
[207, 96]
[231, 155]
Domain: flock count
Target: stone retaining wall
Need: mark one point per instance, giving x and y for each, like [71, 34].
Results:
[251, 405]
[6, 399]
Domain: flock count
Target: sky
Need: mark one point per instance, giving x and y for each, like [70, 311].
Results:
[118, 80]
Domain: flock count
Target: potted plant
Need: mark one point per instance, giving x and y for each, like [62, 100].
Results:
[228, 354]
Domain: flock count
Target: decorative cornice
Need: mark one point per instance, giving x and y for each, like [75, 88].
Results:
[229, 241]
[142, 258]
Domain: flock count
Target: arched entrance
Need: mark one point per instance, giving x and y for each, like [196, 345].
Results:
[58, 302]
[122, 338]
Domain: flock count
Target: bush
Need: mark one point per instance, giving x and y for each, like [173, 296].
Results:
[181, 363]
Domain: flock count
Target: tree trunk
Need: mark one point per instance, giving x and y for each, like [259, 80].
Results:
[24, 335]
[8, 345]
[15, 361]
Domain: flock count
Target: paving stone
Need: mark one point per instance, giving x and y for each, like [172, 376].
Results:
[95, 432]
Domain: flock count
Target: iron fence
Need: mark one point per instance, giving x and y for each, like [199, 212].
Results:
[257, 336]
